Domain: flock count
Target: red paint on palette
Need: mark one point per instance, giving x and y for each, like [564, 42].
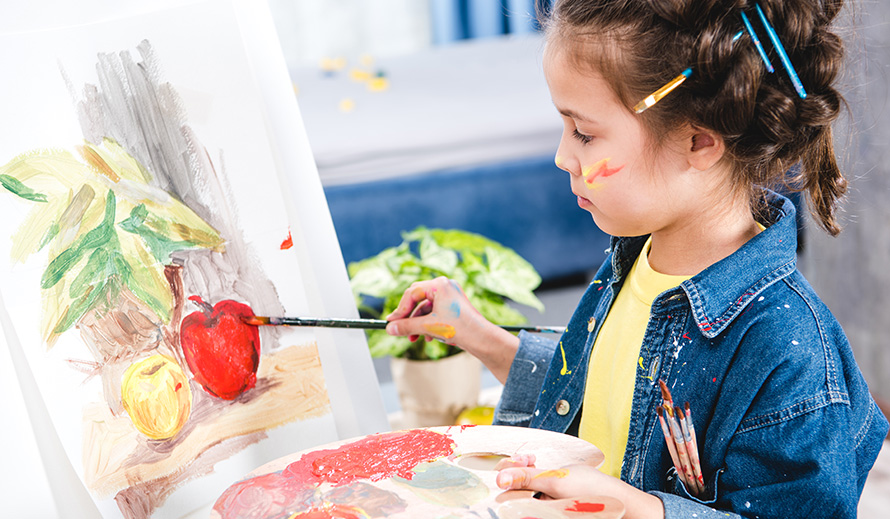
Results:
[288, 242]
[580, 506]
[375, 457]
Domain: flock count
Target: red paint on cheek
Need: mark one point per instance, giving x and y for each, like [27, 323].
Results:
[578, 506]
[376, 457]
[602, 170]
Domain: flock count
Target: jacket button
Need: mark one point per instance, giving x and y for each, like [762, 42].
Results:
[562, 408]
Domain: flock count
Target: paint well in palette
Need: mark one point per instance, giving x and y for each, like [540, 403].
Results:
[480, 460]
[445, 484]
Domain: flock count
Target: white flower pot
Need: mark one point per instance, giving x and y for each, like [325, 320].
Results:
[434, 392]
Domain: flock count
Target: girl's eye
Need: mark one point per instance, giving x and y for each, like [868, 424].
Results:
[581, 137]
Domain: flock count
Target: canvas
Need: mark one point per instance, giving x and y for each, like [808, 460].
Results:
[157, 187]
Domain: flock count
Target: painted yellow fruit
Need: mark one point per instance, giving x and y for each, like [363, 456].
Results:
[155, 393]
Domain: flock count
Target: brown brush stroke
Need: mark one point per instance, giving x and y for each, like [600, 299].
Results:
[116, 456]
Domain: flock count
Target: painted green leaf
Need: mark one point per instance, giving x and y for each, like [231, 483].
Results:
[80, 306]
[145, 276]
[97, 237]
[14, 186]
[95, 270]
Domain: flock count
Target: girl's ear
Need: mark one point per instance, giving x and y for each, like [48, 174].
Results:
[706, 148]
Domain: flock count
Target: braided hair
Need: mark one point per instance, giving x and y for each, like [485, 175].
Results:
[774, 138]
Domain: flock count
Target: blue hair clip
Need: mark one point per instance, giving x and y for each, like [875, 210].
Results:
[780, 50]
[756, 40]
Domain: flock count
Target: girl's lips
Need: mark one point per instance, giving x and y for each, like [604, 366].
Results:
[583, 203]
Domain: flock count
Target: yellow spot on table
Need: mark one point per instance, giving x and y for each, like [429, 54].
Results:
[359, 75]
[378, 84]
[347, 105]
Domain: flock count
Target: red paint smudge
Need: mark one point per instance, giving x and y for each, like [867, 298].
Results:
[288, 242]
[375, 457]
[686, 336]
[602, 170]
[178, 386]
[586, 507]
[714, 379]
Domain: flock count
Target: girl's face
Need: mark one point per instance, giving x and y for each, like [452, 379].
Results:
[630, 187]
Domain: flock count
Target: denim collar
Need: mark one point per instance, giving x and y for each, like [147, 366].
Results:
[718, 294]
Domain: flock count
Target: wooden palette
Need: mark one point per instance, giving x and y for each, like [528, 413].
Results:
[438, 472]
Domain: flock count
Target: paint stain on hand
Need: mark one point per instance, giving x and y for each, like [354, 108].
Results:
[440, 330]
[553, 473]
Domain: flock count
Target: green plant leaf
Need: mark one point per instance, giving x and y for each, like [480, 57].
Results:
[381, 344]
[16, 187]
[485, 269]
[434, 256]
[511, 276]
[496, 310]
[435, 350]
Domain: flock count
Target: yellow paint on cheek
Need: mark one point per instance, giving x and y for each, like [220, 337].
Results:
[555, 473]
[565, 367]
[439, 329]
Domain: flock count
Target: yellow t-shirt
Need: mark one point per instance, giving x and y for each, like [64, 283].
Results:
[615, 362]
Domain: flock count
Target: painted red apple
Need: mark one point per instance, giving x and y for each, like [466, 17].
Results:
[222, 351]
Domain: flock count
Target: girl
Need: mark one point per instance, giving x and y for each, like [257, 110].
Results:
[700, 286]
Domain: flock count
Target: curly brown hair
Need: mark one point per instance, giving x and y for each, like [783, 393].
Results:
[773, 137]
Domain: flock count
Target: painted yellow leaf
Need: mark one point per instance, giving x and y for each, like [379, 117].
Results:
[119, 161]
[52, 172]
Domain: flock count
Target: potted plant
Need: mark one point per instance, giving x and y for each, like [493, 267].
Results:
[436, 381]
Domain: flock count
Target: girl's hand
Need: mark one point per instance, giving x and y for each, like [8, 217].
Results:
[580, 480]
[439, 309]
[433, 309]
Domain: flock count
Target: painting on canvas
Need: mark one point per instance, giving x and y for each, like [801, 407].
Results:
[143, 218]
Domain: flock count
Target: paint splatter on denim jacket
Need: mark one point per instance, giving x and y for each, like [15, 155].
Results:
[783, 417]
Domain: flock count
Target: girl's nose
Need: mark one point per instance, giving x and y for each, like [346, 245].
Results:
[567, 163]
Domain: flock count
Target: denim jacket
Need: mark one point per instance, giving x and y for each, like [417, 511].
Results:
[784, 421]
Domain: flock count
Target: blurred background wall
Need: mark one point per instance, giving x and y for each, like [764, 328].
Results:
[852, 272]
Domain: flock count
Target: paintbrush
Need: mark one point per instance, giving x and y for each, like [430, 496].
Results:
[367, 324]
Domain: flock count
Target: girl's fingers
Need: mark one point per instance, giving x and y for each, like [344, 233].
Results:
[517, 460]
[518, 478]
[410, 299]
